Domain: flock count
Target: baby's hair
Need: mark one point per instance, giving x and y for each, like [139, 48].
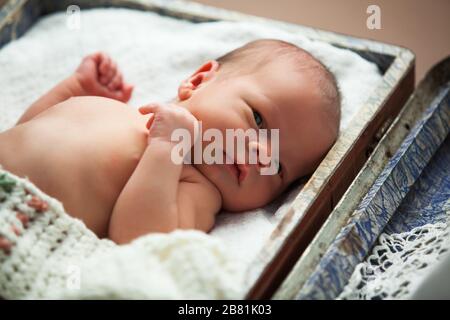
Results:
[257, 54]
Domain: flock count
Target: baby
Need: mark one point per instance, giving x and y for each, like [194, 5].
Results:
[110, 164]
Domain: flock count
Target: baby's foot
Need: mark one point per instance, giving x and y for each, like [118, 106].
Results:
[99, 76]
[5, 245]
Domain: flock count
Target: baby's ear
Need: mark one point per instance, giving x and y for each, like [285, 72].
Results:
[206, 72]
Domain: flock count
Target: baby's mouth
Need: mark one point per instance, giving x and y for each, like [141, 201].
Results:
[240, 171]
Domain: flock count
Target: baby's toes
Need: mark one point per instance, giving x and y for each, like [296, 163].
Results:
[116, 82]
[105, 62]
[104, 69]
[5, 244]
[111, 71]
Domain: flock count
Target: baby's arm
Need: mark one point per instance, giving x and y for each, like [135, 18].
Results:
[154, 199]
[97, 75]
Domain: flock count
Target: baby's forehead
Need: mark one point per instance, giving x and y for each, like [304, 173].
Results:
[272, 61]
[299, 61]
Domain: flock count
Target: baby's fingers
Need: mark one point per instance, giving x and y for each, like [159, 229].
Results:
[150, 121]
[127, 91]
[149, 108]
[105, 63]
[124, 93]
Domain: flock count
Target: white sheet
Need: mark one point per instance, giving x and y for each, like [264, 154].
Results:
[156, 53]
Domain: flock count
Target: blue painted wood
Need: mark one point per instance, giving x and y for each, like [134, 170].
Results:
[426, 199]
[396, 193]
[25, 14]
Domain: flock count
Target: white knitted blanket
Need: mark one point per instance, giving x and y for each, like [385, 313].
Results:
[155, 53]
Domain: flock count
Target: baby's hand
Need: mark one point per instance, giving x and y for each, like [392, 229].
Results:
[99, 76]
[165, 119]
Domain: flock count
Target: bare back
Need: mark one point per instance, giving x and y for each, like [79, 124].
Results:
[81, 151]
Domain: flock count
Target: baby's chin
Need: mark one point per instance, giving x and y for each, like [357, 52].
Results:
[234, 205]
[227, 191]
[235, 199]
[242, 200]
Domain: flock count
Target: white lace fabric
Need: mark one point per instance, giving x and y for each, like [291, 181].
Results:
[399, 263]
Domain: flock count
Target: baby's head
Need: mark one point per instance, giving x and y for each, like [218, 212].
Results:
[265, 84]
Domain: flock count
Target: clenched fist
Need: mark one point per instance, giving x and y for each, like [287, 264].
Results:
[99, 75]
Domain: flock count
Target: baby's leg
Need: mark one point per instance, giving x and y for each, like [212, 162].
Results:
[97, 75]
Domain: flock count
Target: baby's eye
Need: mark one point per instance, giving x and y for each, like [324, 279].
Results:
[258, 118]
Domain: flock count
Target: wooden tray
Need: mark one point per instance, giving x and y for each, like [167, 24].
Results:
[326, 186]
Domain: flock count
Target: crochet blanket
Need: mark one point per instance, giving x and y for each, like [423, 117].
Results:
[48, 254]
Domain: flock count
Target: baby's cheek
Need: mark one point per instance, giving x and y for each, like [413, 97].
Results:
[250, 197]
[267, 189]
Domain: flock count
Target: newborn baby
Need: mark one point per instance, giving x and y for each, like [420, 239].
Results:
[110, 164]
